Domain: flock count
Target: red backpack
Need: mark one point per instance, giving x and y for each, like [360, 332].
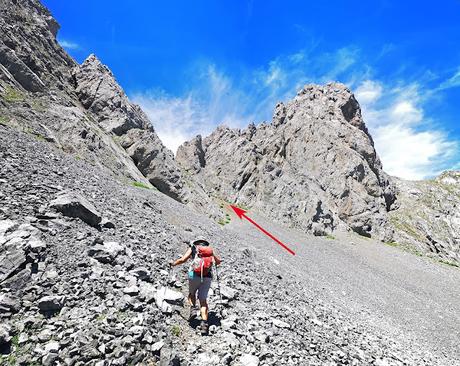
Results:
[202, 263]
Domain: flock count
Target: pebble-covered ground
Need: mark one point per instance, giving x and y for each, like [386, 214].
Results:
[104, 294]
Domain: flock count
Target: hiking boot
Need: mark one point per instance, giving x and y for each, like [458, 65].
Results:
[193, 313]
[204, 328]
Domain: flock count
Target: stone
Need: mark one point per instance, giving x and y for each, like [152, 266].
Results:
[164, 297]
[168, 357]
[147, 292]
[5, 336]
[131, 290]
[52, 347]
[248, 360]
[227, 292]
[51, 303]
[75, 205]
[170, 296]
[280, 324]
[107, 252]
[157, 346]
[49, 359]
[142, 273]
[106, 223]
[8, 304]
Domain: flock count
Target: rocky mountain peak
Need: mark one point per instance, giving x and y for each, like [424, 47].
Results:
[314, 166]
[99, 92]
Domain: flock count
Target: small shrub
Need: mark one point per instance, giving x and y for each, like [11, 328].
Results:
[329, 236]
[175, 330]
[221, 222]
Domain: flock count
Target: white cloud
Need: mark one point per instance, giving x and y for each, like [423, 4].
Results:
[214, 101]
[69, 45]
[368, 92]
[395, 117]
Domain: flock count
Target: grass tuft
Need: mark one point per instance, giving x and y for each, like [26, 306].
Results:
[140, 185]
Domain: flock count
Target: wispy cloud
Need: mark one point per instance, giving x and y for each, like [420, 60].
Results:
[452, 82]
[213, 101]
[406, 138]
[68, 45]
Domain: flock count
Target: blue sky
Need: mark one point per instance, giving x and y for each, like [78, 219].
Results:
[193, 65]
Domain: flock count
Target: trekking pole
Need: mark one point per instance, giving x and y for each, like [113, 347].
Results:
[218, 283]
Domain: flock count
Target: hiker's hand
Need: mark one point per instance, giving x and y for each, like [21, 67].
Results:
[172, 264]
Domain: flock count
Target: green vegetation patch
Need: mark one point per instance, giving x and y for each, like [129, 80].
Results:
[12, 95]
[140, 185]
[175, 330]
[4, 121]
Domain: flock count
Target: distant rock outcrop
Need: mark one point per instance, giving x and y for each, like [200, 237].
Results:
[314, 167]
[428, 217]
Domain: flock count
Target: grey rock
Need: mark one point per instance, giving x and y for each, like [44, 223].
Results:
[168, 357]
[75, 205]
[131, 290]
[51, 303]
[248, 360]
[5, 336]
[52, 347]
[157, 346]
[280, 324]
[8, 304]
[164, 297]
[49, 359]
[228, 292]
[107, 252]
[147, 292]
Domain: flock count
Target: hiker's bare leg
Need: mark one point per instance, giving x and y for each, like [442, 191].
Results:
[192, 299]
[204, 310]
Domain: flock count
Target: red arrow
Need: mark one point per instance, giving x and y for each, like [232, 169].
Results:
[241, 213]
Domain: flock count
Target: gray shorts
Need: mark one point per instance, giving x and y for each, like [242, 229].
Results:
[195, 284]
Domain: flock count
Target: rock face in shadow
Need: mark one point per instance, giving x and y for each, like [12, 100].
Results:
[313, 167]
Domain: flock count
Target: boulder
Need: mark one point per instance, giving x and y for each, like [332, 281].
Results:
[51, 303]
[75, 205]
[107, 252]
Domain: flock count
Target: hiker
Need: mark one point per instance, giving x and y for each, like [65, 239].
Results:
[199, 277]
